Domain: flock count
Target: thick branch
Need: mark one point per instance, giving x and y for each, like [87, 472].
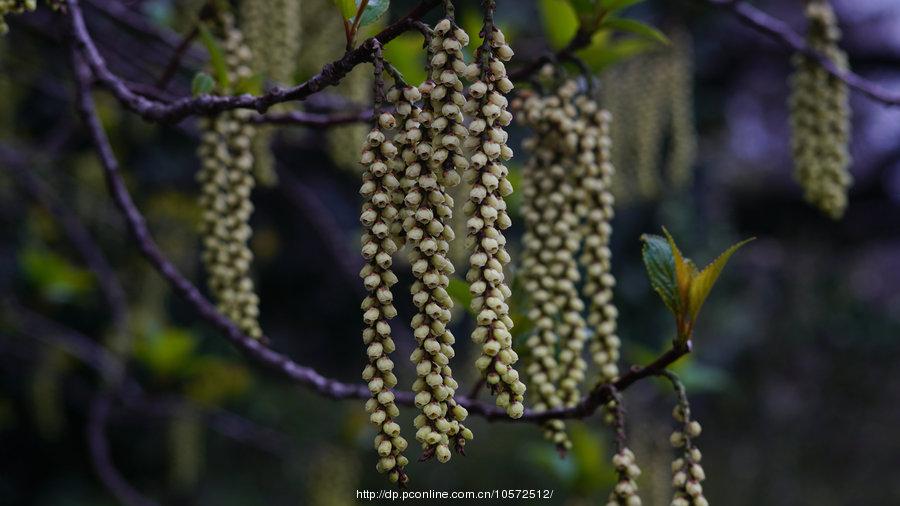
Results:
[783, 34]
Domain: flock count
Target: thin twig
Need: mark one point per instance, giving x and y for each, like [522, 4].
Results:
[330, 75]
[177, 55]
[98, 445]
[782, 33]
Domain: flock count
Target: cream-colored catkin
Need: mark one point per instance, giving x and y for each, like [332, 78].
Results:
[542, 369]
[625, 492]
[574, 156]
[428, 210]
[378, 248]
[650, 127]
[650, 114]
[273, 31]
[227, 182]
[617, 95]
[820, 116]
[331, 472]
[323, 42]
[687, 472]
[682, 151]
[14, 7]
[597, 212]
[487, 219]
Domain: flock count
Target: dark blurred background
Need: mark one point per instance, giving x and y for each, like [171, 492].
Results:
[794, 371]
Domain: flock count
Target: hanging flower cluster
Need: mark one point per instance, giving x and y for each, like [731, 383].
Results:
[654, 120]
[14, 7]
[226, 180]
[687, 473]
[378, 247]
[625, 492]
[820, 116]
[428, 209]
[595, 206]
[487, 216]
[273, 30]
[550, 244]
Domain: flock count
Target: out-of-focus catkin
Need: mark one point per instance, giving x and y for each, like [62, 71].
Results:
[14, 7]
[487, 216]
[820, 116]
[682, 151]
[227, 182]
[378, 248]
[650, 115]
[596, 209]
[273, 31]
[543, 253]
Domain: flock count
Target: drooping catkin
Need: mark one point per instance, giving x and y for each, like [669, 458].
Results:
[227, 182]
[682, 151]
[596, 257]
[539, 182]
[323, 37]
[332, 471]
[625, 492]
[649, 124]
[273, 30]
[575, 160]
[487, 217]
[428, 210]
[687, 473]
[378, 248]
[14, 7]
[820, 116]
[186, 440]
[652, 116]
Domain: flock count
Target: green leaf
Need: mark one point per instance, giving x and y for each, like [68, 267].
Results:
[213, 380]
[374, 10]
[347, 8]
[216, 57]
[702, 283]
[660, 263]
[604, 52]
[202, 84]
[166, 353]
[458, 290]
[684, 269]
[57, 279]
[252, 84]
[614, 6]
[405, 53]
[635, 27]
[582, 7]
[560, 22]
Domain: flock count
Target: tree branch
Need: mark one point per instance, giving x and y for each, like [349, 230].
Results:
[98, 418]
[155, 110]
[255, 349]
[783, 34]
